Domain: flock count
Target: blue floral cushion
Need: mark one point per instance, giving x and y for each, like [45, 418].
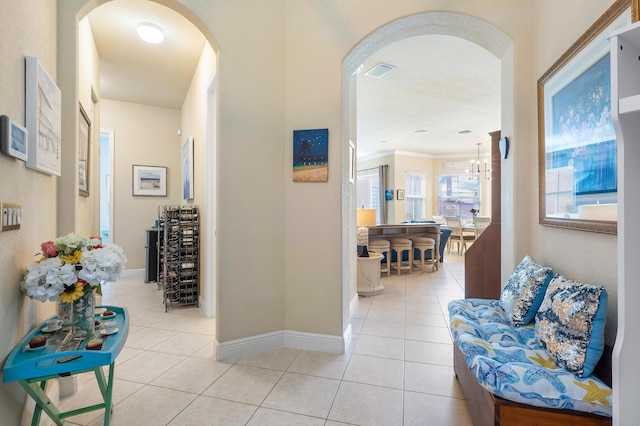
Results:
[509, 361]
[522, 295]
[570, 324]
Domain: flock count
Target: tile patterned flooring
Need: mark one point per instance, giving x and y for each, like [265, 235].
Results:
[397, 370]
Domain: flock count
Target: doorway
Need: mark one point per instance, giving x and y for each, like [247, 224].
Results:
[465, 27]
[106, 185]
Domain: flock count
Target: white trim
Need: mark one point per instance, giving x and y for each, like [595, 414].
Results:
[278, 339]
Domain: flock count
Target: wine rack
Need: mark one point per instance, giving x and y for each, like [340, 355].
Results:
[179, 254]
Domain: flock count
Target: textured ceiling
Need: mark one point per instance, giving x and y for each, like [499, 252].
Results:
[441, 84]
[135, 71]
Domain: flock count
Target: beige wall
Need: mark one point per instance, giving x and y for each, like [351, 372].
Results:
[88, 208]
[26, 28]
[583, 256]
[193, 125]
[148, 136]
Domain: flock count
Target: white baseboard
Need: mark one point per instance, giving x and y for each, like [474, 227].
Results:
[278, 339]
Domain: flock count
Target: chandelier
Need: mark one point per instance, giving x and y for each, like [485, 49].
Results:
[475, 171]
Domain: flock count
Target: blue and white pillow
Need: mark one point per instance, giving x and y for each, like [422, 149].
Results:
[570, 324]
[522, 295]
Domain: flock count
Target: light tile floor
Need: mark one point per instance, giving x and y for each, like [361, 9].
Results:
[397, 371]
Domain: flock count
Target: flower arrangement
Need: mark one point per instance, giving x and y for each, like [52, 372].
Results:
[71, 266]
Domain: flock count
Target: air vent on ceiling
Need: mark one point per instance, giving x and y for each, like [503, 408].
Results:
[379, 70]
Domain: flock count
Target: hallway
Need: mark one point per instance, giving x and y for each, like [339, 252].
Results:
[397, 371]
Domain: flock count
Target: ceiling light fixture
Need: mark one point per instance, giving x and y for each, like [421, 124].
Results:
[421, 131]
[475, 168]
[151, 33]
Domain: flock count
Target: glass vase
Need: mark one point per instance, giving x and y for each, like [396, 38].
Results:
[65, 312]
[83, 320]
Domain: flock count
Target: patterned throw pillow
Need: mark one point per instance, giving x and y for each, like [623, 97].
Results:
[522, 295]
[570, 324]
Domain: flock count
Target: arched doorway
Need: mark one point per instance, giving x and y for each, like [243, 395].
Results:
[69, 16]
[437, 23]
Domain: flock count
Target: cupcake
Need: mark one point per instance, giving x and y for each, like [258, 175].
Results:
[37, 341]
[94, 345]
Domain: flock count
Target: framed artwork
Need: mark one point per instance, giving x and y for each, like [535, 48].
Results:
[187, 169]
[43, 119]
[84, 145]
[311, 155]
[576, 140]
[388, 195]
[400, 194]
[150, 181]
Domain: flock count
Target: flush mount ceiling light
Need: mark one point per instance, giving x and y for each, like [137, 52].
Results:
[379, 70]
[151, 33]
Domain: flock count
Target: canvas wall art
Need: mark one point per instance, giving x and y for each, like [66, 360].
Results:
[311, 155]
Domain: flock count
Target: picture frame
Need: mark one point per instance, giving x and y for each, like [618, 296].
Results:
[43, 119]
[150, 181]
[400, 194]
[311, 155]
[187, 169]
[84, 147]
[577, 174]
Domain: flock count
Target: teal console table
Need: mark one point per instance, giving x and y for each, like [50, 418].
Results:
[33, 368]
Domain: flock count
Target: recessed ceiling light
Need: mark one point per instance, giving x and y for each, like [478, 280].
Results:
[379, 70]
[151, 33]
[464, 132]
[421, 131]
[384, 141]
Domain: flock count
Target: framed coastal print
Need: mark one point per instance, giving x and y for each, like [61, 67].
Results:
[187, 169]
[576, 139]
[84, 145]
[150, 181]
[43, 119]
[311, 155]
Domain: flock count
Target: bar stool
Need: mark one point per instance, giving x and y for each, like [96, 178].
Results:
[383, 247]
[422, 245]
[400, 245]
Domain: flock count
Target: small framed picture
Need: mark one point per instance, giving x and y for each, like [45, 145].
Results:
[400, 194]
[150, 181]
[388, 195]
[13, 138]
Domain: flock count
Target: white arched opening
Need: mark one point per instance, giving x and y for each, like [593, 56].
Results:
[441, 23]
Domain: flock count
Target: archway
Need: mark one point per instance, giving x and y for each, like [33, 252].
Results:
[69, 16]
[440, 23]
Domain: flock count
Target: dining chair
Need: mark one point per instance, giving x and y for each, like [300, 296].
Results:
[481, 223]
[458, 236]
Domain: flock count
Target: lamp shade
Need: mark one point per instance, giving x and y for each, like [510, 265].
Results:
[366, 217]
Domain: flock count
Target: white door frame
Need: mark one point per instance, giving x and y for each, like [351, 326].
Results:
[210, 201]
[110, 137]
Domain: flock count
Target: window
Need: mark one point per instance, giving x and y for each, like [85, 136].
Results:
[368, 190]
[414, 195]
[457, 195]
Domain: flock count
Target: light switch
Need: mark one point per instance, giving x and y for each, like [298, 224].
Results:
[11, 215]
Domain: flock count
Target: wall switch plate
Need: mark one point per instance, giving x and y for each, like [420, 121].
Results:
[11, 216]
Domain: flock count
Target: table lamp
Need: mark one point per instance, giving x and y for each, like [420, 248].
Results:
[364, 219]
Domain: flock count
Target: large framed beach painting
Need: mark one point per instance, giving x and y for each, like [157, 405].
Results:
[577, 143]
[311, 155]
[150, 181]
